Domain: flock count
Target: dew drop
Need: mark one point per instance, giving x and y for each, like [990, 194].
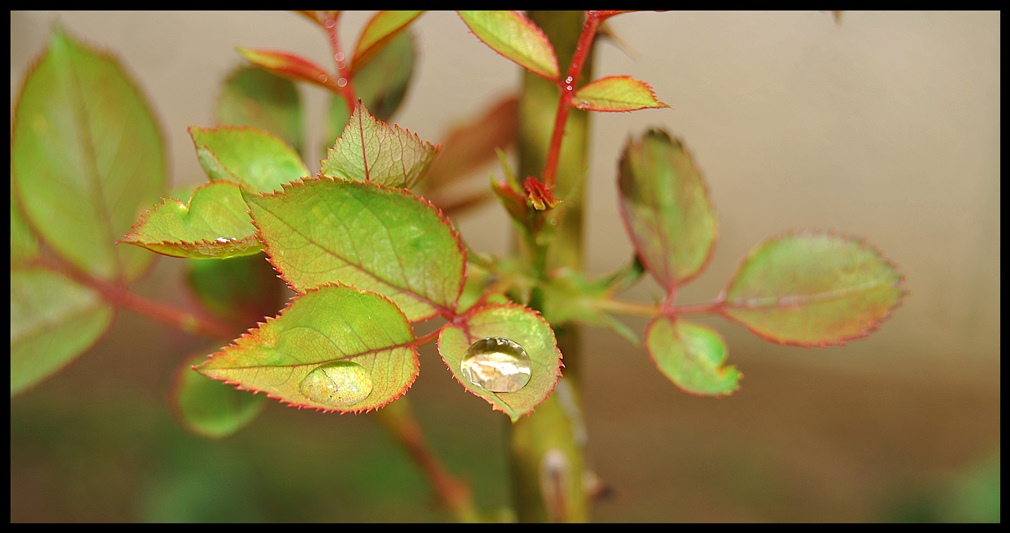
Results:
[337, 384]
[339, 56]
[341, 82]
[568, 79]
[496, 365]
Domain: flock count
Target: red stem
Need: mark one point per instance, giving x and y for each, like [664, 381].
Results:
[567, 87]
[344, 87]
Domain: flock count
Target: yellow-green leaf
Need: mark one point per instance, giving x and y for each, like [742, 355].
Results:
[254, 158]
[210, 408]
[383, 27]
[616, 93]
[666, 208]
[322, 231]
[813, 289]
[369, 150]
[513, 35]
[519, 325]
[691, 356]
[335, 348]
[215, 223]
[258, 98]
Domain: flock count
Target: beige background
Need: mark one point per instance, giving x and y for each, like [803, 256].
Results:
[885, 127]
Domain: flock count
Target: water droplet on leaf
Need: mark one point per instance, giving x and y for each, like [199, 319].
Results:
[337, 384]
[341, 82]
[496, 364]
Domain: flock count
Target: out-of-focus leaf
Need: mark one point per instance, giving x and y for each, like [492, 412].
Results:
[523, 327]
[87, 155]
[323, 231]
[290, 66]
[379, 31]
[813, 289]
[369, 150]
[215, 223]
[334, 348]
[254, 158]
[666, 208]
[260, 99]
[24, 243]
[569, 297]
[692, 356]
[210, 408]
[380, 84]
[516, 37]
[53, 320]
[241, 289]
[616, 93]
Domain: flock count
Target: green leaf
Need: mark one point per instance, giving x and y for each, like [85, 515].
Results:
[322, 231]
[380, 84]
[254, 158]
[378, 32]
[616, 93]
[86, 153]
[242, 290]
[813, 289]
[24, 243]
[260, 99]
[569, 297]
[210, 408]
[333, 349]
[692, 356]
[369, 150]
[520, 325]
[290, 66]
[215, 223]
[516, 37]
[666, 208]
[53, 320]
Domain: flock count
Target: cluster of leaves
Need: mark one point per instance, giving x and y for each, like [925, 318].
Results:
[368, 257]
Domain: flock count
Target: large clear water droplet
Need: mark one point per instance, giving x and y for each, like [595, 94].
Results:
[337, 384]
[496, 364]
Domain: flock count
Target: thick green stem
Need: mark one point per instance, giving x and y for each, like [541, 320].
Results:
[546, 446]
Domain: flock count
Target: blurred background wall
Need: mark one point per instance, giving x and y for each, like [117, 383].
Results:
[885, 127]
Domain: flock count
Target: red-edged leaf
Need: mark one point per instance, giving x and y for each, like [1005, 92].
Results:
[516, 37]
[666, 208]
[335, 348]
[519, 325]
[616, 93]
[380, 29]
[290, 66]
[256, 159]
[538, 195]
[813, 289]
[692, 356]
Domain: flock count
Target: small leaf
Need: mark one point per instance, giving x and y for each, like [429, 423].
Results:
[333, 349]
[256, 159]
[692, 356]
[290, 66]
[53, 320]
[813, 289]
[86, 153]
[369, 150]
[538, 195]
[210, 408]
[520, 325]
[666, 208]
[323, 231]
[242, 290]
[379, 31]
[516, 37]
[616, 93]
[215, 223]
[24, 242]
[260, 99]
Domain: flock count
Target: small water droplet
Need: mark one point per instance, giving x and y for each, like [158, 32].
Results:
[339, 56]
[496, 364]
[322, 78]
[568, 79]
[568, 87]
[225, 240]
[337, 384]
[341, 82]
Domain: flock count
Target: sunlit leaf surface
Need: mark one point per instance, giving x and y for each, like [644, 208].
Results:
[692, 356]
[87, 156]
[519, 325]
[255, 97]
[666, 208]
[370, 150]
[359, 233]
[53, 320]
[214, 223]
[210, 408]
[516, 37]
[616, 93]
[254, 158]
[334, 348]
[813, 289]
